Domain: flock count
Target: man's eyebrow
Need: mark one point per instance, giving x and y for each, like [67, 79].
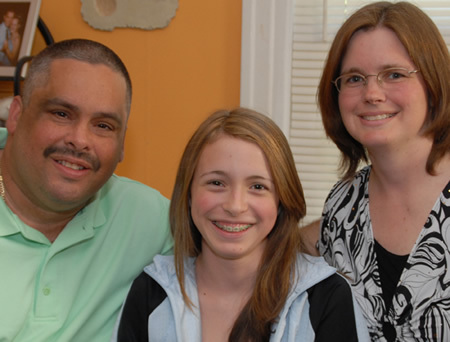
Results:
[70, 106]
[60, 102]
[112, 116]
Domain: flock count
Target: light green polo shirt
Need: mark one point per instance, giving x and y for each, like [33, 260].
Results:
[72, 290]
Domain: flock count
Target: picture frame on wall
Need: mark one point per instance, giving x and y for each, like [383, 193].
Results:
[18, 21]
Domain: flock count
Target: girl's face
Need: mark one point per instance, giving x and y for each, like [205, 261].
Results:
[382, 114]
[234, 204]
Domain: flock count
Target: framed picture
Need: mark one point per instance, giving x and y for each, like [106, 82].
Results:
[18, 21]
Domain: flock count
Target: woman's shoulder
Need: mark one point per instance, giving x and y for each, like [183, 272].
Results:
[342, 188]
[331, 308]
[361, 176]
[162, 268]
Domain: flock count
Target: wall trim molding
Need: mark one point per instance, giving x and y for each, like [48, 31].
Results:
[266, 57]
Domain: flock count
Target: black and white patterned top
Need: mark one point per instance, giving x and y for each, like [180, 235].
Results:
[420, 309]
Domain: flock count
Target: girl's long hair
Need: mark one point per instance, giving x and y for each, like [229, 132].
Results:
[277, 267]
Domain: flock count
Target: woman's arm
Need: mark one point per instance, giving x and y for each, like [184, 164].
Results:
[310, 235]
[14, 52]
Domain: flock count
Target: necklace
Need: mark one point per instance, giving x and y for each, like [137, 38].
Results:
[2, 187]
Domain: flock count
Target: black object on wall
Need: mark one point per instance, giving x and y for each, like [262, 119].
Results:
[48, 38]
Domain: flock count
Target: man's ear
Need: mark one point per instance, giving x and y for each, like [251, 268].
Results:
[15, 111]
[122, 152]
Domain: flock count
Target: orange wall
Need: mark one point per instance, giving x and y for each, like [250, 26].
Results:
[180, 74]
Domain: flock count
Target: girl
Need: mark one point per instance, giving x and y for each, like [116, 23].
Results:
[237, 273]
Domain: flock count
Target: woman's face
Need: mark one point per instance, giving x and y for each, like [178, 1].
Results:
[387, 114]
[14, 25]
[234, 204]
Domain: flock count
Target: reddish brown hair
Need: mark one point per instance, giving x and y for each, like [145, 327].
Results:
[429, 53]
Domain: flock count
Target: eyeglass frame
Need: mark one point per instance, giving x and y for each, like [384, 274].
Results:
[365, 77]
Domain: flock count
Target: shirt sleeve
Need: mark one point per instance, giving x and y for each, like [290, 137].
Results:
[145, 295]
[331, 310]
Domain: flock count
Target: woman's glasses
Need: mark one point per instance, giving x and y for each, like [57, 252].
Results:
[388, 79]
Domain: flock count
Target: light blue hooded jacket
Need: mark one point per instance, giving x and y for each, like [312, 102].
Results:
[173, 321]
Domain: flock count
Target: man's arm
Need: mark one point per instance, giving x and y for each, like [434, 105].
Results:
[310, 236]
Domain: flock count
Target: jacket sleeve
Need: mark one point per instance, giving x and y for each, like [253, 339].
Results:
[145, 295]
[331, 310]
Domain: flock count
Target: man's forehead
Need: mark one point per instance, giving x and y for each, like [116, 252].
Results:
[68, 78]
[69, 64]
[64, 61]
[67, 69]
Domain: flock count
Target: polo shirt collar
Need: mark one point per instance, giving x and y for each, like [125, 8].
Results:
[88, 218]
[81, 227]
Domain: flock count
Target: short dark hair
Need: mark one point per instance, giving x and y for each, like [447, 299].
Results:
[83, 50]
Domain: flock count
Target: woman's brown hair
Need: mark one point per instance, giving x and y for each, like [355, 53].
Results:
[428, 51]
[277, 267]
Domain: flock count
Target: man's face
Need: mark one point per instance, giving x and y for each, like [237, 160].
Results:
[69, 139]
[8, 17]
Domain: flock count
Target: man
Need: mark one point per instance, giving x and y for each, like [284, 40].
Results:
[4, 35]
[73, 236]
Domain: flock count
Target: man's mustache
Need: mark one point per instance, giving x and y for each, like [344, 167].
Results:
[93, 162]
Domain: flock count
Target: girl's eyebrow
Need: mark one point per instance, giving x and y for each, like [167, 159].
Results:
[222, 173]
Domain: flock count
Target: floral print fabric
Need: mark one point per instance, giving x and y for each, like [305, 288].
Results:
[420, 309]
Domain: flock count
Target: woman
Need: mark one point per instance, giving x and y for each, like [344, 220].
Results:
[385, 99]
[237, 274]
[11, 46]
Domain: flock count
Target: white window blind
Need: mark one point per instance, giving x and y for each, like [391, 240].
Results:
[314, 25]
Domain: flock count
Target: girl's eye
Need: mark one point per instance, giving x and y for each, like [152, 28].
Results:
[215, 182]
[258, 187]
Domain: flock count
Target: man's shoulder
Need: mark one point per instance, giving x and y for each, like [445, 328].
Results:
[123, 183]
[126, 202]
[127, 189]
[3, 136]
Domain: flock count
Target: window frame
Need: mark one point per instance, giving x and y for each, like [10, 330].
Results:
[266, 58]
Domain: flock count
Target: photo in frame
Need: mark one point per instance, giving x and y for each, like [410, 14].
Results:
[18, 22]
